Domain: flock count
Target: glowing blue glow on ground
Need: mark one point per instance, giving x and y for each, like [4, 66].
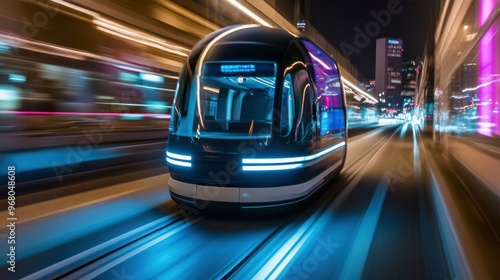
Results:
[279, 261]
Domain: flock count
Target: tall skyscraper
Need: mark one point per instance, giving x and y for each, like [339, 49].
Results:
[408, 78]
[408, 83]
[388, 61]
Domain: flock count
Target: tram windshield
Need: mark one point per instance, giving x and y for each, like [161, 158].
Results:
[236, 99]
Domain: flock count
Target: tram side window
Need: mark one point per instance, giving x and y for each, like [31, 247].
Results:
[180, 101]
[287, 107]
[330, 101]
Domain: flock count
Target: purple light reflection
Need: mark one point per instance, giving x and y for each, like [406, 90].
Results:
[327, 77]
[488, 69]
[485, 10]
[84, 114]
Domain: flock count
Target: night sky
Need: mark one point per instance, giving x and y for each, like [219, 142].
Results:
[336, 20]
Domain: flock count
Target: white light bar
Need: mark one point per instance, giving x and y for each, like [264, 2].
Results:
[291, 159]
[177, 159]
[271, 167]
[177, 156]
[178, 162]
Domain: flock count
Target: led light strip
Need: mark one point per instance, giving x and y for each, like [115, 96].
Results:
[273, 164]
[291, 159]
[178, 162]
[177, 159]
[177, 156]
[271, 167]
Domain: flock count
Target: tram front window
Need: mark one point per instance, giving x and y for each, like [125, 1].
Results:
[236, 99]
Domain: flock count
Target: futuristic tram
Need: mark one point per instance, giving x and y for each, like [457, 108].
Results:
[259, 121]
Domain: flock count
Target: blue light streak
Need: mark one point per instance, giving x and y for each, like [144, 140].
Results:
[281, 259]
[356, 259]
[17, 78]
[152, 78]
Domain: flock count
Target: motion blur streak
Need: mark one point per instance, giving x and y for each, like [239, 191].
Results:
[354, 265]
[248, 12]
[75, 7]
[356, 88]
[403, 131]
[44, 273]
[114, 28]
[129, 255]
[132, 35]
[273, 268]
[83, 113]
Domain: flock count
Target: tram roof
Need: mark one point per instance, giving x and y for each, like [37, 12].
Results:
[251, 33]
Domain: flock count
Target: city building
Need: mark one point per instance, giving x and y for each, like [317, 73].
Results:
[388, 64]
[408, 84]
